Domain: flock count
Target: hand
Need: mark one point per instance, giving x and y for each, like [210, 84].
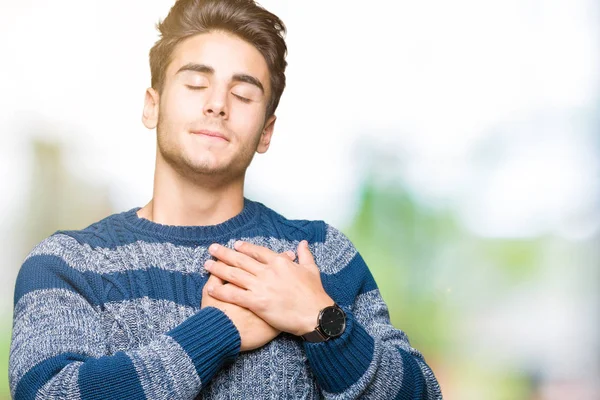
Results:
[287, 295]
[254, 332]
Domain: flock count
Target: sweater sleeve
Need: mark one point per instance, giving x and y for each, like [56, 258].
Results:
[59, 350]
[371, 359]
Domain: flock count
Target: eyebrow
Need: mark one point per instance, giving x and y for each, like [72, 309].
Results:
[205, 69]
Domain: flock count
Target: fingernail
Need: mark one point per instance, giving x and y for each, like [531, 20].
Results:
[209, 263]
[209, 289]
[291, 254]
[213, 247]
[237, 244]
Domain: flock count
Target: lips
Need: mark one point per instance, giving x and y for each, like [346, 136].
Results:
[214, 134]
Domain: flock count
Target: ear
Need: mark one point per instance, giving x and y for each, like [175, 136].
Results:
[265, 137]
[151, 103]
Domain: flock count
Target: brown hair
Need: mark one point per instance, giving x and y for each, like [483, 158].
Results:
[243, 18]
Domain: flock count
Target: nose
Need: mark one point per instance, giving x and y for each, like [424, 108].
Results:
[216, 103]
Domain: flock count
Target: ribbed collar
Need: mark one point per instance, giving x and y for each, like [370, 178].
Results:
[244, 219]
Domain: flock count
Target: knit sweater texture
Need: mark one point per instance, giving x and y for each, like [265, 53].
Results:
[112, 311]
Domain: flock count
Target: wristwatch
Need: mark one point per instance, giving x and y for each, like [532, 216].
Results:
[331, 323]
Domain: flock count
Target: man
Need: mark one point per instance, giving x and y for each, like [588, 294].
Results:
[203, 293]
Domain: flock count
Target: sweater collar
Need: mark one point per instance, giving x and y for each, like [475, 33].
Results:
[203, 233]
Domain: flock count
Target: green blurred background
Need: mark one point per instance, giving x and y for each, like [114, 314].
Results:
[457, 145]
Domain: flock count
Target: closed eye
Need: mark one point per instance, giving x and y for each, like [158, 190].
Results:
[243, 99]
[191, 87]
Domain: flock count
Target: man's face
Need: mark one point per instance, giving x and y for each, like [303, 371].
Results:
[211, 113]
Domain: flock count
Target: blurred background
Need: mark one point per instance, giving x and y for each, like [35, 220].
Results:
[456, 143]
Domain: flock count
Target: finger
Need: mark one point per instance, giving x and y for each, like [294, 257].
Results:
[235, 275]
[304, 254]
[290, 254]
[259, 253]
[233, 294]
[214, 280]
[235, 258]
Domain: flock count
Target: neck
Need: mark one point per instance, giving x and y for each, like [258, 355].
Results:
[180, 201]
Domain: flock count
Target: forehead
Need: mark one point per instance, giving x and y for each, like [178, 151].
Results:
[226, 53]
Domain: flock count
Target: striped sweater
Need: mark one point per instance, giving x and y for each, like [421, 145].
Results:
[113, 312]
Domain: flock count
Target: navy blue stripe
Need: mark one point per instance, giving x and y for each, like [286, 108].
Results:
[154, 283]
[110, 377]
[40, 374]
[218, 343]
[51, 272]
[351, 281]
[413, 382]
[338, 364]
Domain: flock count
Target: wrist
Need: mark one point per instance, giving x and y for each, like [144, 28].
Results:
[311, 319]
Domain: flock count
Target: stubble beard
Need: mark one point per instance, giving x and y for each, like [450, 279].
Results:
[200, 170]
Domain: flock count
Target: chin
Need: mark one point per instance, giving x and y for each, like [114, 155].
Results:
[210, 167]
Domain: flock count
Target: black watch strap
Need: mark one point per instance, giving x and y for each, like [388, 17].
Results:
[315, 336]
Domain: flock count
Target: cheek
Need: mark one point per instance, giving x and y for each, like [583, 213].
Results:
[248, 120]
[178, 110]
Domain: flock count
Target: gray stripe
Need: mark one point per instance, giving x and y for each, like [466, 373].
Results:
[372, 313]
[433, 388]
[63, 386]
[335, 253]
[280, 368]
[331, 256]
[134, 323]
[141, 255]
[50, 322]
[165, 369]
[133, 256]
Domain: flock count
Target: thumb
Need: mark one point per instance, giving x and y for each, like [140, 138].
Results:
[304, 254]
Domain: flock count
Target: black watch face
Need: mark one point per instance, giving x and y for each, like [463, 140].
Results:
[333, 322]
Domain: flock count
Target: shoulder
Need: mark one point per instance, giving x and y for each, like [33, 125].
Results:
[74, 248]
[59, 261]
[54, 264]
[278, 226]
[314, 231]
[64, 242]
[97, 234]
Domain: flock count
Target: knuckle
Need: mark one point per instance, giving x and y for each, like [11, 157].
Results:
[281, 259]
[219, 292]
[222, 292]
[261, 303]
[233, 274]
[234, 261]
[235, 297]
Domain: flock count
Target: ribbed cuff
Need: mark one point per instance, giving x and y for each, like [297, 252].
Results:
[340, 362]
[210, 339]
